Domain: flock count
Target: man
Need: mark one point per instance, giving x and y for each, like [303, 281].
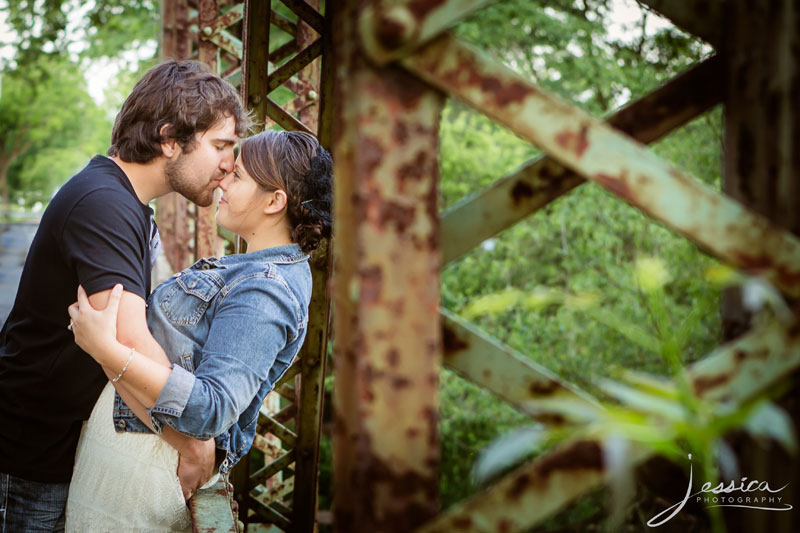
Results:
[175, 132]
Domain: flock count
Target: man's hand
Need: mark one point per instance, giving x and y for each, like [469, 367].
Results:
[195, 465]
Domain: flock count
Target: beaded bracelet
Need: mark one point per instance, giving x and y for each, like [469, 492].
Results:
[124, 368]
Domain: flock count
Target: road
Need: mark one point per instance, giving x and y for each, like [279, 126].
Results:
[15, 239]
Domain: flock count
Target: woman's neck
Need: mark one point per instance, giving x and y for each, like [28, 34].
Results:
[267, 238]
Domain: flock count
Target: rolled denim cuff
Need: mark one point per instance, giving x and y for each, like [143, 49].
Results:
[174, 396]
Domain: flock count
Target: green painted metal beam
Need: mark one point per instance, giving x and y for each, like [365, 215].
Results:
[598, 152]
[542, 180]
[212, 509]
[500, 369]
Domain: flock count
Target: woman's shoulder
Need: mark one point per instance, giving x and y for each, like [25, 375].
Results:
[291, 280]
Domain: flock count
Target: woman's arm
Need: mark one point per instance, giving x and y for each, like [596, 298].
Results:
[196, 459]
[96, 333]
[251, 325]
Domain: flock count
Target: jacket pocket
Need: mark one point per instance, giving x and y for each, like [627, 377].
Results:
[189, 297]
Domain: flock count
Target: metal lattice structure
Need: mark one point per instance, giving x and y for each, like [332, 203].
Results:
[233, 39]
[387, 68]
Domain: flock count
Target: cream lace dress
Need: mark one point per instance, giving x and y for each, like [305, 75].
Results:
[123, 482]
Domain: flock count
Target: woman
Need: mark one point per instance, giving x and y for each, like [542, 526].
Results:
[230, 328]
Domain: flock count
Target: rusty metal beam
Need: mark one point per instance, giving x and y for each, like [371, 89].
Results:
[294, 65]
[229, 18]
[172, 209]
[748, 366]
[498, 368]
[386, 291]
[737, 371]
[529, 494]
[310, 15]
[270, 515]
[226, 42]
[268, 424]
[596, 151]
[267, 471]
[282, 22]
[287, 391]
[283, 51]
[284, 119]
[207, 241]
[542, 180]
[391, 29]
[702, 18]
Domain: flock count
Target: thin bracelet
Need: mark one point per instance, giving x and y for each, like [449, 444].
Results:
[124, 368]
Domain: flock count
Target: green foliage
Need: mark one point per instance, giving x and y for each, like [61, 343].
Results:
[665, 416]
[49, 125]
[581, 247]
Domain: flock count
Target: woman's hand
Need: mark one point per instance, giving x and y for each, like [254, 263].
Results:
[95, 331]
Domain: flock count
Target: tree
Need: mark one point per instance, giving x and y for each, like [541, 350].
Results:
[45, 108]
[49, 125]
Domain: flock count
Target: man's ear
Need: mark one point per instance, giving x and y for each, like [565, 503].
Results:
[277, 202]
[169, 146]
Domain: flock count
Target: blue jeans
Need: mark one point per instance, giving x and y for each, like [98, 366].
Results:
[31, 506]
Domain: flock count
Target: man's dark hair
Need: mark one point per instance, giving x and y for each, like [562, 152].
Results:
[182, 94]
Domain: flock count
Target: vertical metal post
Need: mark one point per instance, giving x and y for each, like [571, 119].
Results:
[207, 241]
[309, 76]
[172, 209]
[255, 61]
[762, 170]
[386, 291]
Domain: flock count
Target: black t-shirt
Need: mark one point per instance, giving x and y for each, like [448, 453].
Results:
[96, 233]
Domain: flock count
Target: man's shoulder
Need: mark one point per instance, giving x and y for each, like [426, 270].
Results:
[98, 188]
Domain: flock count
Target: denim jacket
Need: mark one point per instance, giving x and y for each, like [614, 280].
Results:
[231, 327]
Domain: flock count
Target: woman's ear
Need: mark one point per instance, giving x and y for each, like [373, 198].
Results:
[277, 202]
[169, 146]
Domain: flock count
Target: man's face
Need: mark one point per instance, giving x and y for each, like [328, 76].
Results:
[195, 175]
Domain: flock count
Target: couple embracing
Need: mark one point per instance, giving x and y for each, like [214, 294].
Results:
[116, 407]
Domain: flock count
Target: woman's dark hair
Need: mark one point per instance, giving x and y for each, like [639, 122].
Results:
[182, 94]
[295, 162]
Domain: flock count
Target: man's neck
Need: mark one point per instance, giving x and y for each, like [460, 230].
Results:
[148, 179]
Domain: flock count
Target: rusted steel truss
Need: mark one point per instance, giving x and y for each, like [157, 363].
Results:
[578, 147]
[233, 39]
[390, 240]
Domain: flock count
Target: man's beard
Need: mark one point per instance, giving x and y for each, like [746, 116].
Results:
[198, 193]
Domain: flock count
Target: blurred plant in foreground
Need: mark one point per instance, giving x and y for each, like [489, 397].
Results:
[665, 416]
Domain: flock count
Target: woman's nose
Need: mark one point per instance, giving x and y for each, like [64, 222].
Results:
[223, 184]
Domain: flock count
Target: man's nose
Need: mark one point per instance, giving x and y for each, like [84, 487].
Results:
[227, 162]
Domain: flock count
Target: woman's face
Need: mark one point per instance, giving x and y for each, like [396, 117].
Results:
[241, 207]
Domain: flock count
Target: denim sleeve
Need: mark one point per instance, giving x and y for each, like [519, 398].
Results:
[252, 324]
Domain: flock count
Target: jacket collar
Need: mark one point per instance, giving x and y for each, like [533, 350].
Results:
[288, 253]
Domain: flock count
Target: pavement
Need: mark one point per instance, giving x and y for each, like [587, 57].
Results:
[15, 239]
